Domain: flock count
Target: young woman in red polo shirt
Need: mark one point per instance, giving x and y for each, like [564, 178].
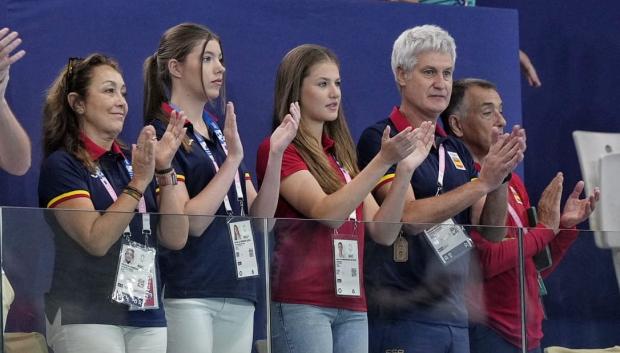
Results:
[317, 290]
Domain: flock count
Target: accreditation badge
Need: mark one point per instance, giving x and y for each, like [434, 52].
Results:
[132, 278]
[449, 240]
[242, 238]
[346, 265]
[151, 297]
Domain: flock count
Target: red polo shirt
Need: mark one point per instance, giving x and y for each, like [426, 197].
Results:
[302, 269]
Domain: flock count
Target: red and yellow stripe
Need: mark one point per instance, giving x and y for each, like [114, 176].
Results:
[67, 196]
[385, 179]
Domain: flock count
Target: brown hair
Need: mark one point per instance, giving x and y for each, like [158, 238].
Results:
[293, 69]
[176, 43]
[61, 126]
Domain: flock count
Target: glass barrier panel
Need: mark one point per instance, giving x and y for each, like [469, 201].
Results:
[368, 286]
[582, 297]
[121, 280]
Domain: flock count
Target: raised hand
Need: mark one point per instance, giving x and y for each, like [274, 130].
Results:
[549, 204]
[504, 154]
[394, 149]
[8, 43]
[519, 133]
[423, 136]
[577, 210]
[528, 70]
[286, 131]
[169, 143]
[231, 134]
[143, 158]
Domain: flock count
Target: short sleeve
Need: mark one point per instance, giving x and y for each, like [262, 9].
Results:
[469, 160]
[291, 161]
[62, 178]
[245, 172]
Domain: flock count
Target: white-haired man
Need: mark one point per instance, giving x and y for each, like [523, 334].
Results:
[415, 288]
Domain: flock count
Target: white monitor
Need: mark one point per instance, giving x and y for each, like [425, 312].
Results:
[599, 159]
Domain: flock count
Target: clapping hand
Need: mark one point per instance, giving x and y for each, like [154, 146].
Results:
[286, 131]
[423, 136]
[231, 134]
[169, 143]
[394, 149]
[577, 210]
[143, 158]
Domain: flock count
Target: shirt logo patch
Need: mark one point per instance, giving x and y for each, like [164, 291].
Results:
[456, 160]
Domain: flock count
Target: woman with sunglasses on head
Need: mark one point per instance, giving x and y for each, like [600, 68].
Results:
[96, 302]
[318, 297]
[210, 291]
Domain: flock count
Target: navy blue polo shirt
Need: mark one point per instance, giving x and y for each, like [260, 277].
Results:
[205, 267]
[421, 289]
[82, 284]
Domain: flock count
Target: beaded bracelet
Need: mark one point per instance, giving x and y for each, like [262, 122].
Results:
[132, 194]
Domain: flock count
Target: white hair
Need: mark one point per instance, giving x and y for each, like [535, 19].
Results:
[417, 40]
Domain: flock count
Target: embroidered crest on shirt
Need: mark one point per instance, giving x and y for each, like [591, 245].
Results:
[456, 160]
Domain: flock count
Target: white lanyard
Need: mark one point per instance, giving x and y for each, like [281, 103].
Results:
[146, 218]
[347, 179]
[203, 144]
[515, 218]
[442, 168]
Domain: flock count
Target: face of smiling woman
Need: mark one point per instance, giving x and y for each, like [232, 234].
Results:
[104, 108]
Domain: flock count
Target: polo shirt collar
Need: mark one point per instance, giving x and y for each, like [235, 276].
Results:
[167, 108]
[401, 123]
[95, 151]
[327, 142]
[477, 166]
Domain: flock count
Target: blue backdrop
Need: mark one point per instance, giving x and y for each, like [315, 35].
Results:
[255, 36]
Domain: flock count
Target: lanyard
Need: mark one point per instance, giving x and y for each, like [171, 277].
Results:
[442, 168]
[203, 144]
[347, 179]
[146, 218]
[515, 218]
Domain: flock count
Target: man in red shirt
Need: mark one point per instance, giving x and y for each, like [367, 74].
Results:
[475, 109]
